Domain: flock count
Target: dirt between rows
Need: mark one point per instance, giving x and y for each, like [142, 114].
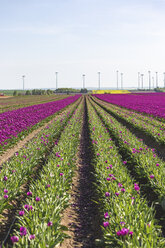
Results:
[82, 217]
[11, 151]
[1, 97]
[70, 215]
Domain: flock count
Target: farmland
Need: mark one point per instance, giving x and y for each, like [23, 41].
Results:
[90, 174]
[12, 103]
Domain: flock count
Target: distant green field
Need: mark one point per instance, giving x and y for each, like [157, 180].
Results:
[10, 92]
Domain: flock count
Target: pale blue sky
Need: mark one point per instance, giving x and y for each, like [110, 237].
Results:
[75, 37]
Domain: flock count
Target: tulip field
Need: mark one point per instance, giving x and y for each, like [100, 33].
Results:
[11, 103]
[127, 172]
[14, 124]
[150, 103]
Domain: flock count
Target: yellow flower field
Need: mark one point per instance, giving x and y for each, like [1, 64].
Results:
[110, 91]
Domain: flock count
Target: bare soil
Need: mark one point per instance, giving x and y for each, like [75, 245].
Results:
[5, 97]
[82, 216]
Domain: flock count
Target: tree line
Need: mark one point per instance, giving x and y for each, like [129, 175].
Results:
[49, 92]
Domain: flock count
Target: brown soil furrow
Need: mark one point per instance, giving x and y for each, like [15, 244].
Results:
[82, 217]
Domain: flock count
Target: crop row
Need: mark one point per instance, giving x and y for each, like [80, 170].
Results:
[39, 220]
[35, 184]
[143, 160]
[9, 104]
[127, 219]
[19, 169]
[146, 119]
[154, 129]
[152, 103]
[17, 123]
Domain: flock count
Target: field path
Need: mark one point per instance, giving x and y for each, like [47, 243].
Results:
[82, 216]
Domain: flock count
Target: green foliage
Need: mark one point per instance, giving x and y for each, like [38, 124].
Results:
[70, 90]
[53, 199]
[28, 92]
[160, 89]
[83, 91]
[143, 157]
[15, 93]
[49, 92]
[128, 209]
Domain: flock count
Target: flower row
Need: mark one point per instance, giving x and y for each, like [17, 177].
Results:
[147, 164]
[39, 220]
[127, 219]
[13, 103]
[19, 169]
[152, 103]
[12, 123]
[155, 132]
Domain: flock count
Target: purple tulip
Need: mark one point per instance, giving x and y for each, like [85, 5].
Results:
[29, 193]
[122, 232]
[106, 215]
[136, 187]
[28, 208]
[120, 185]
[118, 233]
[5, 178]
[32, 236]
[107, 194]
[14, 239]
[21, 213]
[106, 224]
[50, 223]
[23, 231]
